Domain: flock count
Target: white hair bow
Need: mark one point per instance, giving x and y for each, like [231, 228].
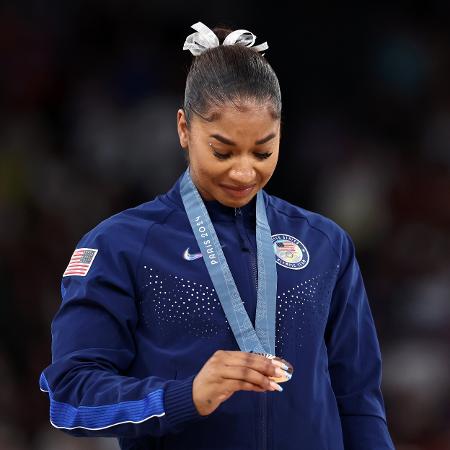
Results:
[205, 38]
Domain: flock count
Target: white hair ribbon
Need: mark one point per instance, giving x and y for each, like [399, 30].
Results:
[198, 42]
[246, 38]
[205, 38]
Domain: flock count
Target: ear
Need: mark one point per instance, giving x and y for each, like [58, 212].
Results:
[183, 131]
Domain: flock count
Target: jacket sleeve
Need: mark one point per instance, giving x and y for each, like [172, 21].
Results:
[354, 359]
[93, 345]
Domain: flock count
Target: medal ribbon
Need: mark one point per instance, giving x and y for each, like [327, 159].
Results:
[261, 338]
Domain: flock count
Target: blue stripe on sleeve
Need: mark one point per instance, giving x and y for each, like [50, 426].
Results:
[63, 415]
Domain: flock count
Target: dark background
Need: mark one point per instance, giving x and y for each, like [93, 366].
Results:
[88, 98]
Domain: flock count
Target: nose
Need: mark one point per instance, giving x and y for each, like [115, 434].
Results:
[243, 172]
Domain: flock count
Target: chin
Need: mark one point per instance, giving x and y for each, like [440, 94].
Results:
[234, 202]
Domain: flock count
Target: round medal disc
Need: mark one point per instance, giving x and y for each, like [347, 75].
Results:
[290, 369]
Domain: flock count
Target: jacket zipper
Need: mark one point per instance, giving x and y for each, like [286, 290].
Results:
[263, 400]
[251, 255]
[254, 271]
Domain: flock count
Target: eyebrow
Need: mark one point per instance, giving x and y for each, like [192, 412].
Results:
[226, 141]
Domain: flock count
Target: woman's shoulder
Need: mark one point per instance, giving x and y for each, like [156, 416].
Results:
[130, 225]
[312, 219]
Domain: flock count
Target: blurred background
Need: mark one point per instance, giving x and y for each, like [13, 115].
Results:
[88, 98]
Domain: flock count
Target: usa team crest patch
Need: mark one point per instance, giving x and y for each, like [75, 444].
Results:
[80, 262]
[290, 252]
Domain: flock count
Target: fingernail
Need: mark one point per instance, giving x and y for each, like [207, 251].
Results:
[276, 386]
[279, 364]
[284, 374]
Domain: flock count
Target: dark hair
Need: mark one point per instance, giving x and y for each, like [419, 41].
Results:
[229, 74]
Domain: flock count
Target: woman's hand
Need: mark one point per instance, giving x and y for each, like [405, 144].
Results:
[227, 372]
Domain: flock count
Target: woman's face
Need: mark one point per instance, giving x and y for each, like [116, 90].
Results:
[234, 155]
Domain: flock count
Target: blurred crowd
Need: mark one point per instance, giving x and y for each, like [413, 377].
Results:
[88, 100]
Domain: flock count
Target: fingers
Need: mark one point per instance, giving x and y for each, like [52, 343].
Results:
[239, 385]
[258, 363]
[226, 372]
[252, 368]
[245, 374]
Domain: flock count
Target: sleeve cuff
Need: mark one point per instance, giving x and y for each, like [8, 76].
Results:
[179, 404]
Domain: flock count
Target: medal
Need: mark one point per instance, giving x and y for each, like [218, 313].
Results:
[261, 338]
[289, 370]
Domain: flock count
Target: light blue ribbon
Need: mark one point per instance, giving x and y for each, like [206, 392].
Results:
[260, 338]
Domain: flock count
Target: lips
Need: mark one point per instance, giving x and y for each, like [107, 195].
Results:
[238, 191]
[238, 188]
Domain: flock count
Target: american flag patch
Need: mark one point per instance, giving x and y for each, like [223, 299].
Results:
[287, 246]
[80, 262]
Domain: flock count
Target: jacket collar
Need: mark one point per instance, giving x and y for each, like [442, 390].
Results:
[216, 210]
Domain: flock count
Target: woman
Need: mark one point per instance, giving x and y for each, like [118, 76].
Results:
[172, 312]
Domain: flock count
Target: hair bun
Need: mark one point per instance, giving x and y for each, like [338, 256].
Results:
[205, 38]
[222, 32]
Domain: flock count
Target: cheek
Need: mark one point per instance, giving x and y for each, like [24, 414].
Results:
[205, 167]
[270, 167]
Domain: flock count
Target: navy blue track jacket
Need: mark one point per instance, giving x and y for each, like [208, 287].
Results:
[141, 317]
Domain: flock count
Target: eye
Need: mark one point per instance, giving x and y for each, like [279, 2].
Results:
[224, 156]
[263, 155]
[220, 156]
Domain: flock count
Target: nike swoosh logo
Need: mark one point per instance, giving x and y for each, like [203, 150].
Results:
[193, 256]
